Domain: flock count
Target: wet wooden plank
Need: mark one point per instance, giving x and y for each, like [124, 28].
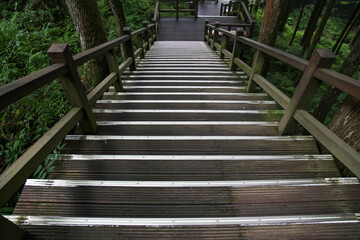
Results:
[331, 231]
[99, 201]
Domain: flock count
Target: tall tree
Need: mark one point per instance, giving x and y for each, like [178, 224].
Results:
[349, 67]
[320, 29]
[310, 28]
[90, 28]
[120, 19]
[356, 37]
[346, 125]
[286, 14]
[298, 22]
[119, 14]
[270, 27]
[352, 20]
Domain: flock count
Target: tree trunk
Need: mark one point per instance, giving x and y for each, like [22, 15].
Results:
[356, 38]
[346, 30]
[91, 31]
[274, 11]
[346, 125]
[349, 67]
[298, 22]
[321, 27]
[310, 28]
[286, 15]
[119, 14]
[120, 18]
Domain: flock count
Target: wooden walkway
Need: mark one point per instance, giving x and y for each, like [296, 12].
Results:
[192, 29]
[185, 153]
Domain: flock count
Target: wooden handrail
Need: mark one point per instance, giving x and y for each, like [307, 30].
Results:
[177, 10]
[242, 12]
[294, 108]
[65, 68]
[85, 56]
[22, 87]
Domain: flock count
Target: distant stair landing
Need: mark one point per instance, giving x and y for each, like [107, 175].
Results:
[188, 29]
[192, 29]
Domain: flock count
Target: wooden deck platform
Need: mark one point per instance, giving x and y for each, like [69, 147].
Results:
[185, 153]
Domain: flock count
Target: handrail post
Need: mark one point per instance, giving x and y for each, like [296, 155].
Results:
[140, 39]
[224, 42]
[11, 230]
[128, 47]
[221, 9]
[237, 48]
[177, 9]
[113, 67]
[210, 35]
[196, 8]
[251, 29]
[306, 90]
[215, 36]
[147, 35]
[257, 67]
[154, 32]
[206, 32]
[60, 53]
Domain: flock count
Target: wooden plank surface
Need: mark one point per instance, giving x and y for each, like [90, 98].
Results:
[187, 29]
[331, 231]
[100, 201]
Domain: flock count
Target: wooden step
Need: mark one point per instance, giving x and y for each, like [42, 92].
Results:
[183, 96]
[89, 198]
[225, 73]
[186, 115]
[331, 226]
[178, 128]
[186, 104]
[188, 145]
[193, 167]
[202, 82]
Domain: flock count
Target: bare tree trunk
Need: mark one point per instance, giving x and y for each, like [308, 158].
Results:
[310, 28]
[120, 18]
[298, 22]
[356, 38]
[285, 17]
[347, 29]
[91, 31]
[321, 27]
[346, 125]
[349, 67]
[274, 11]
[119, 14]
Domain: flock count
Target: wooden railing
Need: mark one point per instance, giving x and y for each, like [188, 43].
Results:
[315, 71]
[239, 9]
[65, 67]
[194, 9]
[229, 9]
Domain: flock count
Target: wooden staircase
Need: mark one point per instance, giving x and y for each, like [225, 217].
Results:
[185, 153]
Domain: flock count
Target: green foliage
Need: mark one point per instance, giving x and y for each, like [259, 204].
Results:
[138, 11]
[27, 30]
[284, 76]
